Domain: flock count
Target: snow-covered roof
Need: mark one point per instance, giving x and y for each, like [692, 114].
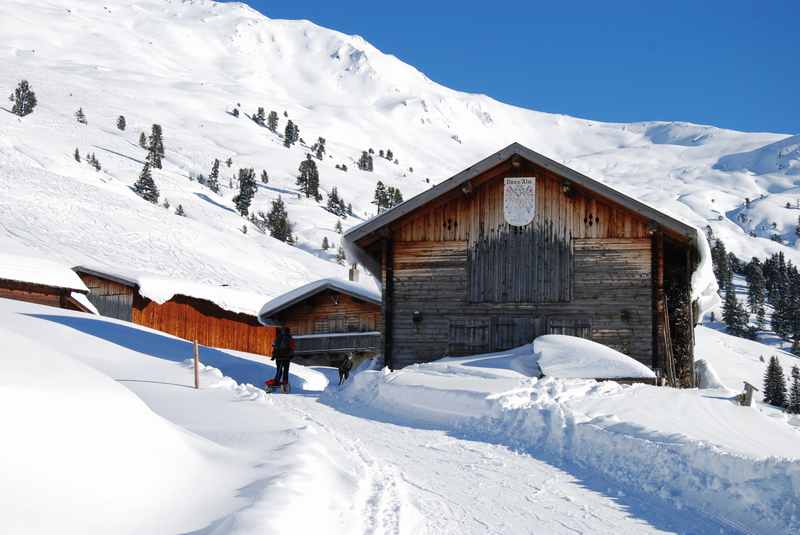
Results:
[161, 289]
[288, 299]
[35, 269]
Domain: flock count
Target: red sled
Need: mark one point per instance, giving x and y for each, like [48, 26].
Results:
[272, 385]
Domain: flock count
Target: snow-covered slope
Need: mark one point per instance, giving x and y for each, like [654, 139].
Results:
[186, 64]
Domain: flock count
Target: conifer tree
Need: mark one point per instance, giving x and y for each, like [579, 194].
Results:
[155, 147]
[235, 112]
[341, 257]
[720, 259]
[308, 179]
[95, 163]
[179, 211]
[325, 244]
[260, 116]
[272, 121]
[733, 314]
[166, 204]
[756, 286]
[278, 221]
[24, 99]
[247, 190]
[77, 155]
[145, 187]
[389, 155]
[143, 140]
[80, 116]
[229, 162]
[793, 406]
[365, 162]
[213, 178]
[349, 209]
[291, 134]
[774, 384]
[121, 123]
[381, 199]
[338, 227]
[319, 148]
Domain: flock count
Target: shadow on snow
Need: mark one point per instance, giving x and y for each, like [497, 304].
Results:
[166, 347]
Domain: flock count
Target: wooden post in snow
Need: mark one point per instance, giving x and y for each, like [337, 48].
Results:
[196, 365]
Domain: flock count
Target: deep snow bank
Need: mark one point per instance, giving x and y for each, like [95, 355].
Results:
[82, 454]
[688, 447]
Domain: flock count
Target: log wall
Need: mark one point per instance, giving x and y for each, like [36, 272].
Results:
[475, 284]
[331, 312]
[38, 294]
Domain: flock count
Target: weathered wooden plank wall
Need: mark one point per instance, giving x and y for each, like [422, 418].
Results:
[112, 299]
[331, 312]
[582, 267]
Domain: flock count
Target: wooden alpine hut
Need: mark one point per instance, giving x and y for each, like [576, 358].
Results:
[329, 319]
[192, 311]
[41, 281]
[519, 245]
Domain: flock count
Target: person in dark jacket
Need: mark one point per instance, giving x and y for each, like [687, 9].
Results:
[282, 353]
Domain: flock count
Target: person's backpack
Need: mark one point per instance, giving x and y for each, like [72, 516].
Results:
[284, 345]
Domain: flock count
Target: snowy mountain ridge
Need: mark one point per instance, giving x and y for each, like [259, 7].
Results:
[187, 64]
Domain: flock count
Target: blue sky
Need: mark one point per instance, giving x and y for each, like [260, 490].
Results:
[734, 64]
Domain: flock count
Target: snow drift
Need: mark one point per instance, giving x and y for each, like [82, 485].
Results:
[572, 357]
[692, 448]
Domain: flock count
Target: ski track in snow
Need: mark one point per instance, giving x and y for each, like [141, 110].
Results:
[458, 485]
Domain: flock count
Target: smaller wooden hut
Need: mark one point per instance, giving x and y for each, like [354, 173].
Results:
[328, 318]
[185, 316]
[40, 281]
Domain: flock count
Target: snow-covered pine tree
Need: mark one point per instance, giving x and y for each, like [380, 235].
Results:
[325, 244]
[272, 121]
[77, 155]
[264, 177]
[155, 147]
[24, 99]
[291, 134]
[774, 384]
[80, 116]
[720, 260]
[395, 197]
[247, 190]
[145, 187]
[389, 155]
[756, 285]
[143, 140]
[365, 161]
[95, 163]
[341, 257]
[260, 116]
[338, 227]
[278, 221]
[733, 314]
[381, 199]
[213, 178]
[122, 124]
[229, 162]
[166, 204]
[179, 211]
[319, 148]
[349, 209]
[235, 112]
[793, 406]
[308, 179]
